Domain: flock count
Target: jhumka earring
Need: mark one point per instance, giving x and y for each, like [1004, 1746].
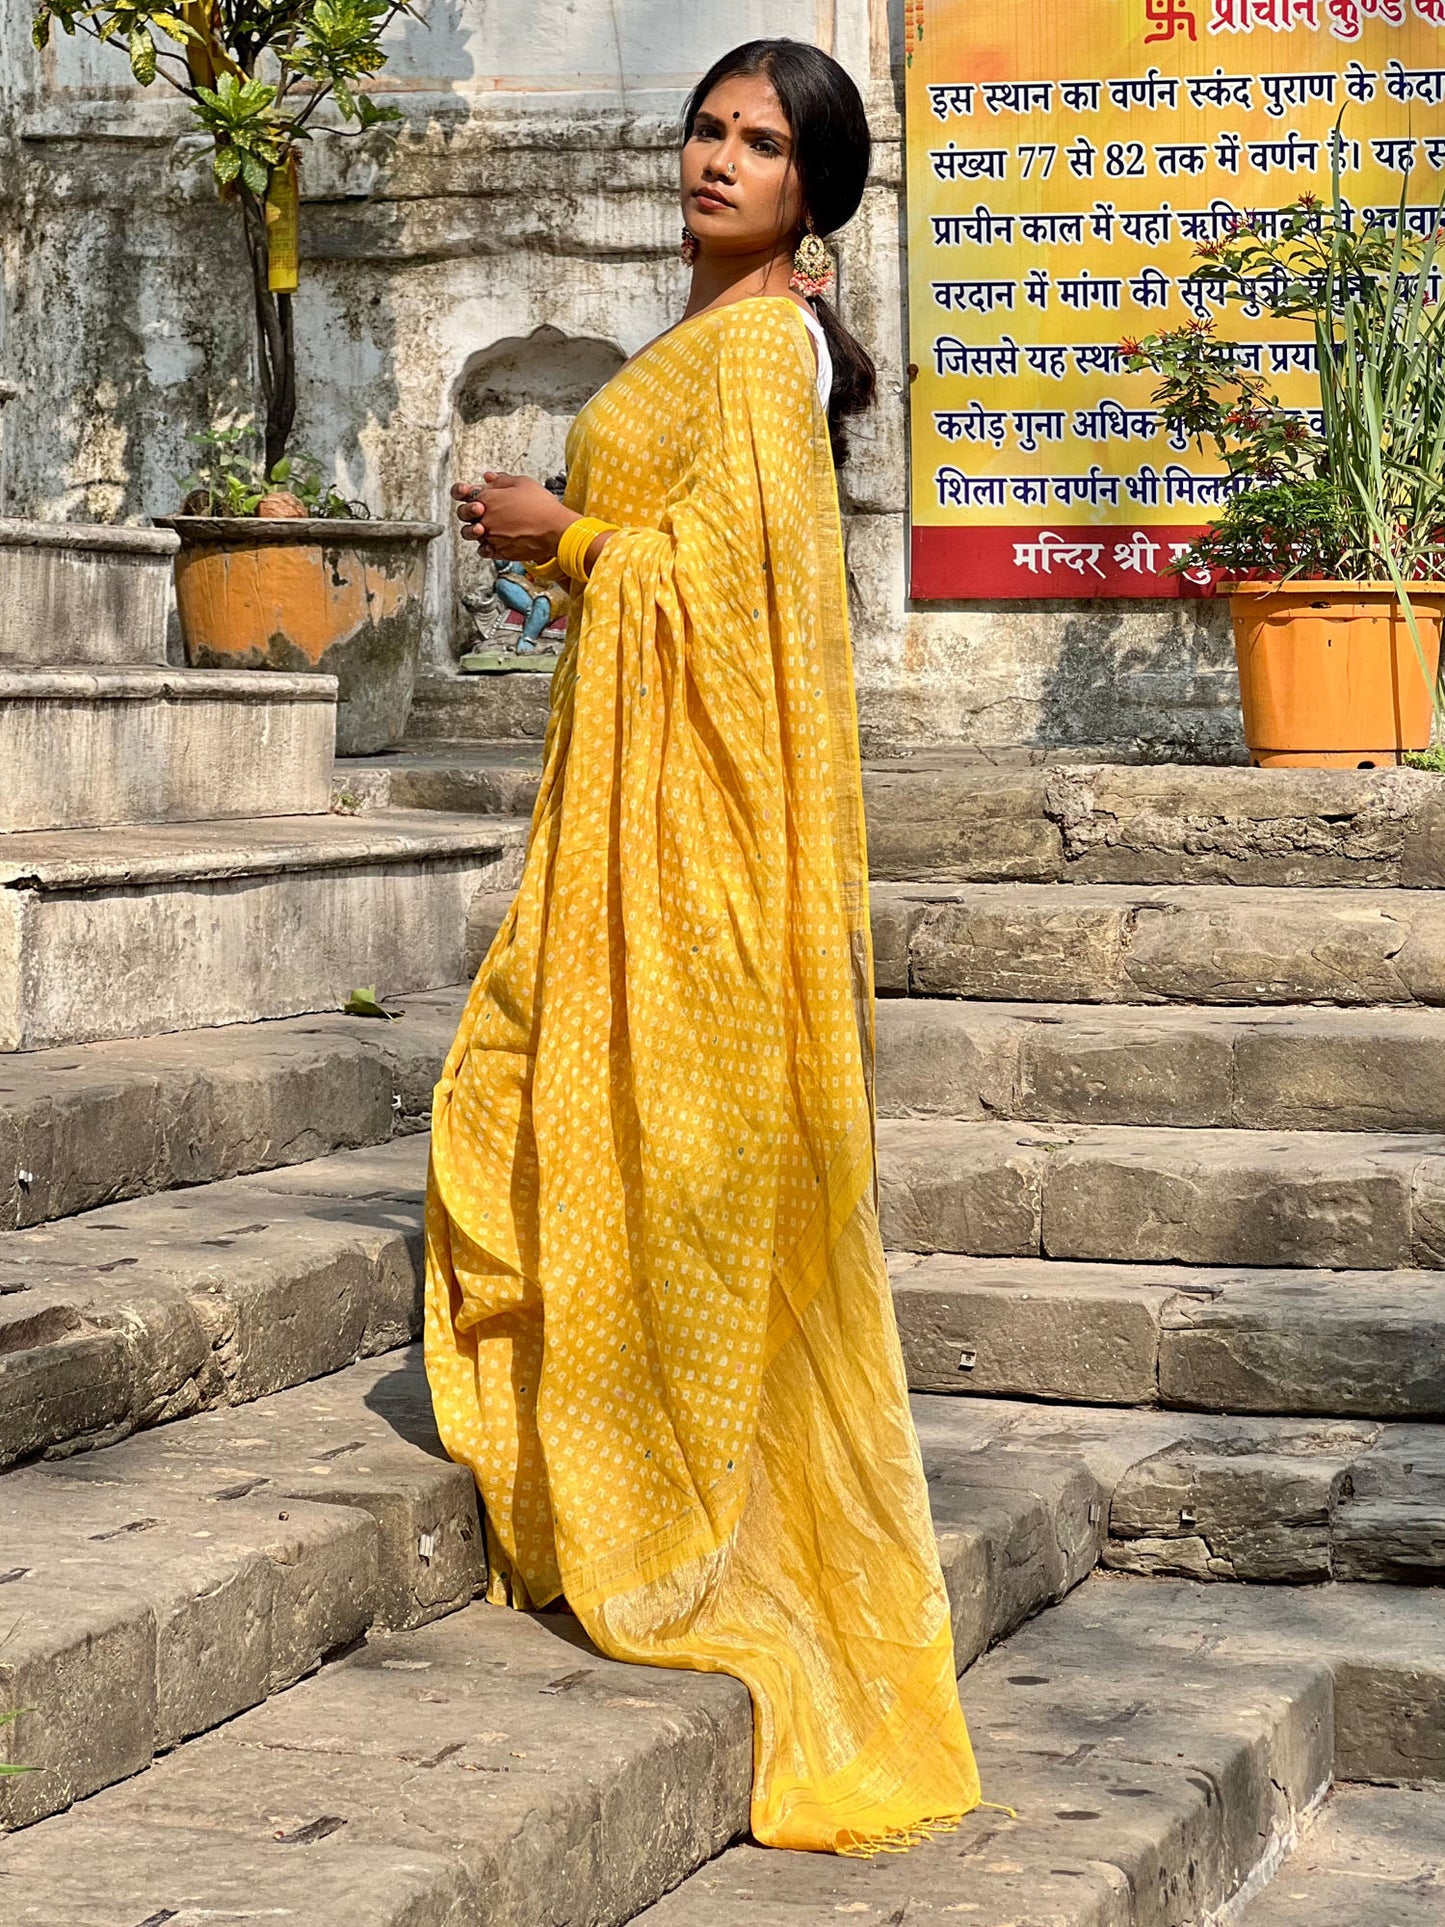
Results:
[812, 266]
[688, 247]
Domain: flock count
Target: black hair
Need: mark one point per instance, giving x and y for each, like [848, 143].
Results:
[832, 146]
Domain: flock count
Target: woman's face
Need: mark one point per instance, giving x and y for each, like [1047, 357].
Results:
[740, 190]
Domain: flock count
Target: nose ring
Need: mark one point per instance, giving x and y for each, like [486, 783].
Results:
[732, 169]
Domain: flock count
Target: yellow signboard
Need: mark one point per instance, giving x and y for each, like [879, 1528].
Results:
[1065, 160]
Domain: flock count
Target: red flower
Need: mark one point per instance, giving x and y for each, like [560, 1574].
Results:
[1129, 346]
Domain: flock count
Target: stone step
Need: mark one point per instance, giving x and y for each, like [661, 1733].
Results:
[480, 709]
[1120, 1194]
[941, 816]
[1159, 1747]
[92, 1124]
[1298, 1509]
[959, 815]
[223, 923]
[1282, 1067]
[1264, 1500]
[88, 747]
[135, 1314]
[131, 1313]
[1137, 944]
[159, 1586]
[1331, 1343]
[1372, 1857]
[152, 1561]
[495, 779]
[490, 1767]
[82, 592]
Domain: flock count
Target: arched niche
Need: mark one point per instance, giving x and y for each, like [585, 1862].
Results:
[514, 405]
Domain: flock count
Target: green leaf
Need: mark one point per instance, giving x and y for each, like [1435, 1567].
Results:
[255, 174]
[370, 115]
[365, 1003]
[40, 30]
[228, 165]
[177, 28]
[142, 56]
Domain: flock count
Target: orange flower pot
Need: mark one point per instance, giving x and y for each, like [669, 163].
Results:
[1328, 675]
[340, 597]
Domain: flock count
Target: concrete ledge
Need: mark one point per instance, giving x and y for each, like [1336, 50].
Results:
[225, 923]
[87, 538]
[74, 592]
[1373, 1852]
[82, 748]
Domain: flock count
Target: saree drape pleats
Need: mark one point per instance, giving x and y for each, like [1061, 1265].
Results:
[658, 1324]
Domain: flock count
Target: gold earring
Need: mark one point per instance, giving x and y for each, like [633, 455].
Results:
[688, 247]
[812, 266]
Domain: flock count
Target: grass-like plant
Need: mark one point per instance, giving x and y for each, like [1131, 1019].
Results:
[255, 73]
[8, 1719]
[1358, 492]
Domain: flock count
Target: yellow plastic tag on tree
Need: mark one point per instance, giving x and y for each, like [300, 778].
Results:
[200, 55]
[283, 223]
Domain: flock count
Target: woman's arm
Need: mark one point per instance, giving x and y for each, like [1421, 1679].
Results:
[517, 519]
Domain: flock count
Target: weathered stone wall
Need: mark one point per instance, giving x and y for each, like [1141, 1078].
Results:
[463, 294]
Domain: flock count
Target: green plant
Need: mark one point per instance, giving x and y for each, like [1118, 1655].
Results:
[231, 475]
[255, 73]
[1360, 496]
[7, 1719]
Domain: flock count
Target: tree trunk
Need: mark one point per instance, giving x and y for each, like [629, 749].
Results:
[275, 336]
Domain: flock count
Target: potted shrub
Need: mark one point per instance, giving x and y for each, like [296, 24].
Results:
[275, 569]
[1333, 545]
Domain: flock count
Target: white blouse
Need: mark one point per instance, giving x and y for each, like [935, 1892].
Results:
[825, 360]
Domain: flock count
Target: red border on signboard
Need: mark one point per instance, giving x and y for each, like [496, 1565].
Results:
[959, 563]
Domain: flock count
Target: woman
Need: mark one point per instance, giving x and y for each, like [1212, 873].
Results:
[658, 1321]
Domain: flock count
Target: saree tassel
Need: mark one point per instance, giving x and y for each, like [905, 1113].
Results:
[865, 1846]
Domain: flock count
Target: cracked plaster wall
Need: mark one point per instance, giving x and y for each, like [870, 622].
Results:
[532, 195]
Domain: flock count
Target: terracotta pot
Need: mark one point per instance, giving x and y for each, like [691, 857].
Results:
[340, 597]
[1328, 675]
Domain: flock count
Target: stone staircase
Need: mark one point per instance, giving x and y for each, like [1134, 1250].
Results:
[1163, 1162]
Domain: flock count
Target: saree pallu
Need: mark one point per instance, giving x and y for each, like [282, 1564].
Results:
[658, 1323]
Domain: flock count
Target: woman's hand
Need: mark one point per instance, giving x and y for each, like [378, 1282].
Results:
[513, 517]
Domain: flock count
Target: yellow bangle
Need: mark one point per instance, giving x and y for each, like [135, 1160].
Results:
[546, 571]
[577, 539]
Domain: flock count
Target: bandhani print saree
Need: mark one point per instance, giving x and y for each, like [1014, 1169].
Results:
[658, 1324]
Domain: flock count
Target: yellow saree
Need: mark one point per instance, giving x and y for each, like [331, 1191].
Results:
[658, 1325]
